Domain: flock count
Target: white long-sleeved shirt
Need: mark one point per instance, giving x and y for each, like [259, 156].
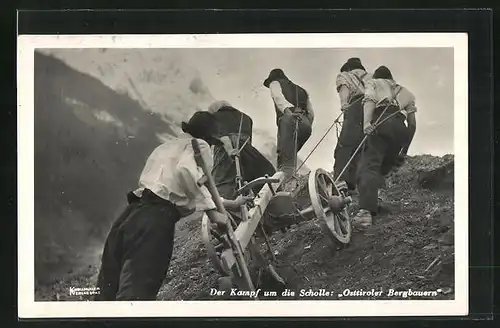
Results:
[380, 91]
[281, 102]
[171, 173]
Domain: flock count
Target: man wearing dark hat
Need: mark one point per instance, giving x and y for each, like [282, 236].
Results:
[387, 144]
[294, 118]
[235, 131]
[139, 245]
[350, 84]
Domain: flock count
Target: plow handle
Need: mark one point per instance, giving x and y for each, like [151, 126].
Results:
[254, 183]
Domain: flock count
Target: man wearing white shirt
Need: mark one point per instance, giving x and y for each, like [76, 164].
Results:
[139, 246]
[294, 118]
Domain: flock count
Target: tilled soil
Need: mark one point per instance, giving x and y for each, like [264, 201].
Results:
[408, 248]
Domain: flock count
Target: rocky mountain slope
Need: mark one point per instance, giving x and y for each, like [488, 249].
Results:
[409, 247]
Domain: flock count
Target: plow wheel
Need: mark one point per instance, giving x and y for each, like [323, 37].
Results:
[323, 193]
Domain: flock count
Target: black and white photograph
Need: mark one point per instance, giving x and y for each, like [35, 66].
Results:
[243, 175]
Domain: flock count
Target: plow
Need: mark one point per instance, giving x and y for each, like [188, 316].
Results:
[231, 250]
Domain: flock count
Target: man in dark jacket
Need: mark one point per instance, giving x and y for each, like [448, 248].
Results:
[235, 131]
[294, 118]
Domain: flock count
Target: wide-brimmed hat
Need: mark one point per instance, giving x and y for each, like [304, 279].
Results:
[352, 63]
[202, 125]
[383, 72]
[275, 74]
[215, 106]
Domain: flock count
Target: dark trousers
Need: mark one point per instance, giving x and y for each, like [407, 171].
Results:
[252, 163]
[349, 139]
[138, 250]
[378, 157]
[287, 152]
